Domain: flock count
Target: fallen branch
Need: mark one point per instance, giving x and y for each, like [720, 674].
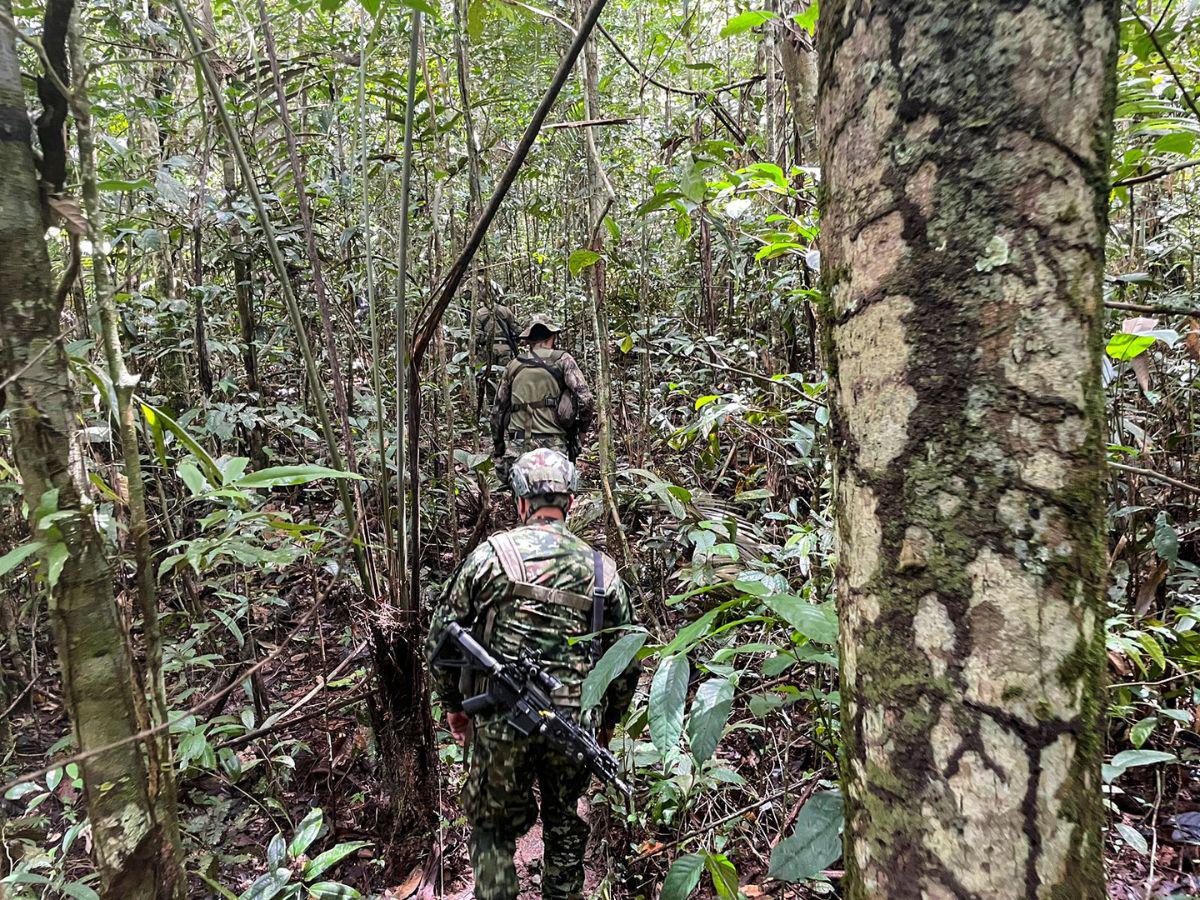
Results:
[1156, 174]
[1156, 476]
[592, 123]
[1151, 308]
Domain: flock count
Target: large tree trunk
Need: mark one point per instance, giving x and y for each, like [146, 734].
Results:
[129, 842]
[965, 184]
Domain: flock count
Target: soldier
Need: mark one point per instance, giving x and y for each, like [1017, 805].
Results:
[542, 400]
[495, 335]
[530, 591]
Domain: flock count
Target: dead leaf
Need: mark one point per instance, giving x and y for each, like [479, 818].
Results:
[71, 214]
[407, 889]
[1191, 341]
[1120, 663]
[1141, 371]
[752, 890]
[1138, 324]
[1149, 587]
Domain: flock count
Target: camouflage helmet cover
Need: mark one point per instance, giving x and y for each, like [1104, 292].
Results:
[540, 321]
[543, 471]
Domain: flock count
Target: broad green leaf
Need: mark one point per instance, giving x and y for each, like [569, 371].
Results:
[668, 693]
[770, 251]
[18, 555]
[1133, 838]
[1166, 539]
[692, 183]
[268, 885]
[191, 476]
[815, 844]
[614, 661]
[747, 20]
[1128, 759]
[1140, 732]
[724, 875]
[306, 833]
[211, 471]
[276, 850]
[710, 714]
[476, 10]
[56, 558]
[287, 476]
[1124, 347]
[817, 622]
[371, 6]
[580, 260]
[682, 877]
[333, 890]
[770, 172]
[79, 891]
[808, 19]
[330, 858]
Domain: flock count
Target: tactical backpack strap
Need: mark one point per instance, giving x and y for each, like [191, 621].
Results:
[598, 591]
[509, 557]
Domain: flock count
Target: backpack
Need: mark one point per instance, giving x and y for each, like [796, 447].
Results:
[537, 383]
[537, 620]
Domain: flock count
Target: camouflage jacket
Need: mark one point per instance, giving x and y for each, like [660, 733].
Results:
[537, 620]
[538, 419]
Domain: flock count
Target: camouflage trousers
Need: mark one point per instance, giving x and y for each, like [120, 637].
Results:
[515, 446]
[501, 806]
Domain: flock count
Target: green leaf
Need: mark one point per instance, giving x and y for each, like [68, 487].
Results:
[693, 184]
[56, 558]
[191, 476]
[668, 693]
[808, 19]
[614, 661]
[817, 622]
[1180, 142]
[771, 173]
[287, 476]
[1124, 347]
[815, 844]
[1140, 732]
[276, 850]
[682, 877]
[371, 6]
[710, 714]
[580, 260]
[1133, 838]
[475, 13]
[778, 248]
[18, 555]
[333, 890]
[330, 858]
[1128, 759]
[744, 22]
[79, 891]
[306, 833]
[724, 875]
[268, 885]
[1166, 539]
[211, 471]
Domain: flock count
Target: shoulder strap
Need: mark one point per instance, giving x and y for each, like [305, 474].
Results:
[510, 558]
[598, 591]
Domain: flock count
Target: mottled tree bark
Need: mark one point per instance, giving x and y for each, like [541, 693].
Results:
[964, 152]
[97, 685]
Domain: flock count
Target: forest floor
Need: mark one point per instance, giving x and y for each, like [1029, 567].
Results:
[326, 759]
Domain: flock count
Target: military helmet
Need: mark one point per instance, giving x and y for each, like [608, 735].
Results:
[542, 472]
[540, 321]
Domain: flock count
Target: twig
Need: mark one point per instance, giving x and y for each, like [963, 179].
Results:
[284, 724]
[19, 698]
[1156, 174]
[1156, 476]
[207, 701]
[1151, 308]
[592, 123]
[737, 813]
[32, 361]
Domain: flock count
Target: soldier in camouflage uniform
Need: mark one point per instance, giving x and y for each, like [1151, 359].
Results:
[496, 335]
[528, 591]
[542, 401]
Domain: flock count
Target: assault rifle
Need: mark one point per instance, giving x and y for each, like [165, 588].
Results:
[521, 689]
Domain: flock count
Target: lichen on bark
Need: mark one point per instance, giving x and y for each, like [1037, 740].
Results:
[964, 152]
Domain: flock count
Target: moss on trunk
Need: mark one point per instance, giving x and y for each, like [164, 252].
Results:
[965, 167]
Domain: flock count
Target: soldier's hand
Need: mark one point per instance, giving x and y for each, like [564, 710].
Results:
[459, 723]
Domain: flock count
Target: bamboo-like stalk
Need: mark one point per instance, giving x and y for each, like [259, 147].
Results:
[201, 52]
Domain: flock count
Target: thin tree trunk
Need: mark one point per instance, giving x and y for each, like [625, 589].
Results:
[963, 239]
[133, 854]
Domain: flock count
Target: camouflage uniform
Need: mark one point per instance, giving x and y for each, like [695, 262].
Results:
[498, 796]
[542, 393]
[495, 335]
